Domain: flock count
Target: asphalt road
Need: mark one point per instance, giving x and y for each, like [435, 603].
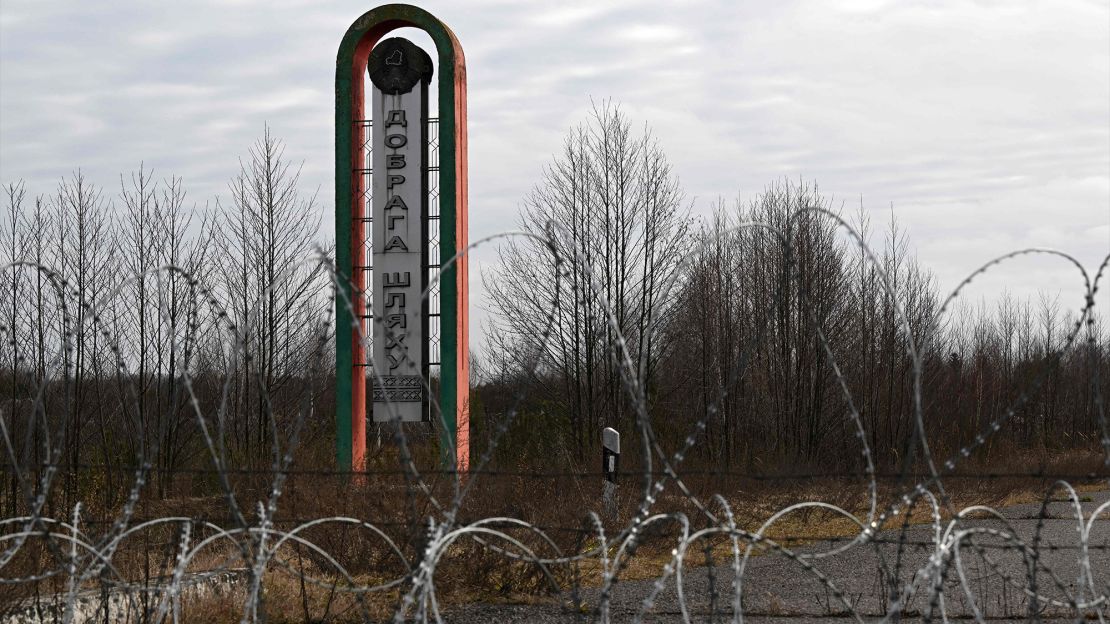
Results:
[777, 589]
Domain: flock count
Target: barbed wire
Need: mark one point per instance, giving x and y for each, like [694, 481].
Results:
[912, 547]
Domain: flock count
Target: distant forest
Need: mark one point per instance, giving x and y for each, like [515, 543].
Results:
[745, 340]
[739, 326]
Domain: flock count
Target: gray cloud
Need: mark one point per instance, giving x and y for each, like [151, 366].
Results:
[984, 126]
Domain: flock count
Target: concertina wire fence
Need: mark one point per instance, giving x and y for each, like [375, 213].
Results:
[976, 562]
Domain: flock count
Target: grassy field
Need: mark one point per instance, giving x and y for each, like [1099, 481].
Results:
[296, 588]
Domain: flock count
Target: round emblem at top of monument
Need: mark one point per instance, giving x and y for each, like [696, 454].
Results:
[397, 64]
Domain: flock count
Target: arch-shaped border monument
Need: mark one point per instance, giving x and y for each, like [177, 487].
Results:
[350, 209]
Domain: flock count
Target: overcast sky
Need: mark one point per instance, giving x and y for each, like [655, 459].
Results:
[985, 126]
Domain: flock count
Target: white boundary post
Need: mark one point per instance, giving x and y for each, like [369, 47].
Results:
[610, 464]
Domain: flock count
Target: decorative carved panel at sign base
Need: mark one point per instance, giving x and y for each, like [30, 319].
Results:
[399, 388]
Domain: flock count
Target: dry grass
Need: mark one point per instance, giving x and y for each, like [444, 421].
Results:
[470, 572]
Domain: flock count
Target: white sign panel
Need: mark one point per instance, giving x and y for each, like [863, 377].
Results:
[400, 251]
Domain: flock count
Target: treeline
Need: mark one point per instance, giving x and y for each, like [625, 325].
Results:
[141, 328]
[760, 321]
[130, 318]
[769, 320]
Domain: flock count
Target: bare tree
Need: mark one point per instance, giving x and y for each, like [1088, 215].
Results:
[610, 209]
[159, 323]
[14, 243]
[85, 260]
[269, 228]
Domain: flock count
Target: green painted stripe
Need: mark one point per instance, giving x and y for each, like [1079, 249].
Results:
[380, 21]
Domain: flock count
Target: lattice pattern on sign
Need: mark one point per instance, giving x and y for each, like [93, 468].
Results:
[363, 260]
[434, 260]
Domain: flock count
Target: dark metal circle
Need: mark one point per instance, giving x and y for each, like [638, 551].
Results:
[397, 64]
